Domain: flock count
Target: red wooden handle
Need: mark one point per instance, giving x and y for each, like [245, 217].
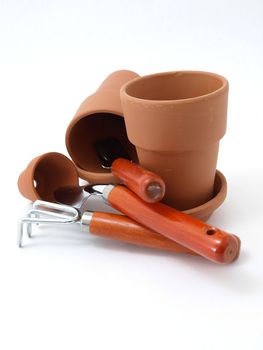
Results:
[147, 185]
[122, 228]
[208, 241]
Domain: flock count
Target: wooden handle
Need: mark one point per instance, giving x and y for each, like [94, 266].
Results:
[122, 228]
[208, 241]
[147, 185]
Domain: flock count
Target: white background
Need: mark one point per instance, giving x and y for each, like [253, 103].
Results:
[66, 290]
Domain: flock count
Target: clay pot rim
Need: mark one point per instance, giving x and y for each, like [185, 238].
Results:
[95, 111]
[123, 90]
[213, 203]
[93, 177]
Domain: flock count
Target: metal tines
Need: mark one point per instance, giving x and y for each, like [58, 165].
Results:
[46, 213]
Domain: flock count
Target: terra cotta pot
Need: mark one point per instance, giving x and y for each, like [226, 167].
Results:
[176, 120]
[99, 116]
[45, 174]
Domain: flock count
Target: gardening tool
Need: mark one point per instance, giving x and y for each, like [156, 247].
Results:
[208, 241]
[147, 185]
[112, 226]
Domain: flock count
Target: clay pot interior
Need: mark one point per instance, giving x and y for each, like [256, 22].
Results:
[93, 128]
[50, 173]
[179, 86]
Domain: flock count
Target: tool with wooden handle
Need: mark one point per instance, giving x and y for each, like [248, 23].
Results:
[208, 241]
[122, 228]
[147, 185]
[107, 225]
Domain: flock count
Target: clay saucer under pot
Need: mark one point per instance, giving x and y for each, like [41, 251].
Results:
[204, 211]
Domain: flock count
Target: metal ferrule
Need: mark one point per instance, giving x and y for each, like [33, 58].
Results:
[85, 221]
[106, 192]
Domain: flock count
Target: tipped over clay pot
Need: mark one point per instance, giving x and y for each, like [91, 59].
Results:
[176, 120]
[45, 174]
[99, 116]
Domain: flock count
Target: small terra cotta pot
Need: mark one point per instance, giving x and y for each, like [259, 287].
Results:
[99, 116]
[45, 174]
[176, 120]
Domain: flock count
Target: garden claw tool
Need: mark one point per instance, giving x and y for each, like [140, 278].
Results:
[108, 225]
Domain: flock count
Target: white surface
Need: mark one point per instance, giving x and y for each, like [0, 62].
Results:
[66, 290]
